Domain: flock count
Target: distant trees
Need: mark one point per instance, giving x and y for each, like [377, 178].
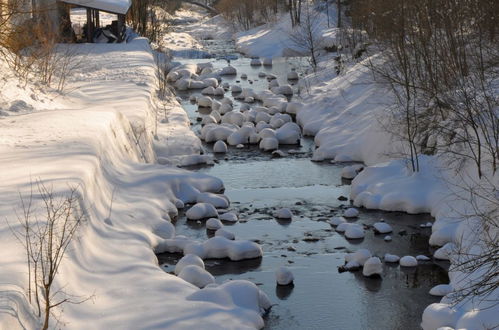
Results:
[249, 13]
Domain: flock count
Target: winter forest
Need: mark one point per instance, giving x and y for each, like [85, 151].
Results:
[249, 164]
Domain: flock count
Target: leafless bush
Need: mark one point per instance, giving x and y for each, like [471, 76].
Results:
[46, 241]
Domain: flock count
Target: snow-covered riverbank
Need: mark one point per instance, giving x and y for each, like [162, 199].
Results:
[348, 115]
[102, 139]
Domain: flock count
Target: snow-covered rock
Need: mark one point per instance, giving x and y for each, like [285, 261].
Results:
[255, 62]
[336, 221]
[201, 211]
[288, 133]
[438, 315]
[220, 147]
[382, 228]
[262, 74]
[387, 238]
[354, 231]
[196, 276]
[351, 213]
[422, 258]
[204, 101]
[294, 107]
[225, 233]
[441, 290]
[228, 71]
[220, 247]
[391, 258]
[445, 251]
[214, 224]
[219, 201]
[293, 75]
[284, 276]
[351, 171]
[229, 217]
[360, 256]
[283, 213]
[372, 266]
[408, 261]
[269, 144]
[188, 260]
[244, 76]
[236, 88]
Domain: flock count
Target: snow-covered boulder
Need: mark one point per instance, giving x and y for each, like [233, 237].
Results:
[351, 213]
[351, 171]
[288, 133]
[387, 238]
[204, 101]
[438, 315]
[244, 76]
[360, 256]
[213, 82]
[219, 247]
[225, 233]
[294, 107]
[354, 231]
[208, 120]
[283, 213]
[219, 91]
[225, 108]
[214, 224]
[269, 144]
[262, 74]
[372, 267]
[445, 251]
[284, 276]
[165, 230]
[236, 89]
[441, 290]
[293, 75]
[228, 71]
[187, 260]
[220, 147]
[285, 90]
[220, 132]
[201, 211]
[196, 276]
[249, 99]
[219, 201]
[408, 261]
[336, 221]
[229, 217]
[392, 258]
[422, 258]
[382, 228]
[263, 116]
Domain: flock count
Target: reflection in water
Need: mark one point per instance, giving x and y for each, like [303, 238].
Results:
[284, 291]
[227, 267]
[372, 284]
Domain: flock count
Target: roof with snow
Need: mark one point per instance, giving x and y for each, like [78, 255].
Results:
[111, 6]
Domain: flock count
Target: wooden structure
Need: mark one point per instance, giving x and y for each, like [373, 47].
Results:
[94, 7]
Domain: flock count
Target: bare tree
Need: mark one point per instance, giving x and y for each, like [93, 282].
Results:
[46, 241]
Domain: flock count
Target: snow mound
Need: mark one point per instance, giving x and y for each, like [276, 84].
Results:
[217, 200]
[336, 221]
[441, 290]
[360, 256]
[372, 267]
[391, 258]
[445, 251]
[187, 260]
[354, 231]
[351, 213]
[213, 224]
[225, 233]
[382, 228]
[220, 247]
[228, 71]
[220, 147]
[408, 261]
[201, 211]
[196, 275]
[283, 213]
[350, 172]
[284, 276]
[229, 217]
[269, 144]
[438, 315]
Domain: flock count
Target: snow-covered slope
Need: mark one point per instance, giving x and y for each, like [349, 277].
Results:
[127, 201]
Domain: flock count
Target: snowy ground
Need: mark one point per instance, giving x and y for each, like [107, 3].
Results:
[101, 138]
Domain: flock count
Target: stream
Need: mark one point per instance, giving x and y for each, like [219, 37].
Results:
[322, 298]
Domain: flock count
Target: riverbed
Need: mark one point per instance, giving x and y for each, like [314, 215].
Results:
[322, 297]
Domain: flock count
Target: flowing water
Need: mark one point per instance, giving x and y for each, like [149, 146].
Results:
[322, 297]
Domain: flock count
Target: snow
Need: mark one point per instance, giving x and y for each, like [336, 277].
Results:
[372, 267]
[201, 211]
[441, 290]
[283, 213]
[351, 213]
[391, 258]
[229, 217]
[445, 251]
[225, 233]
[438, 315]
[351, 171]
[196, 275]
[187, 260]
[112, 6]
[387, 238]
[219, 201]
[354, 231]
[220, 247]
[269, 144]
[408, 261]
[382, 228]
[284, 276]
[85, 139]
[360, 256]
[213, 224]
[422, 258]
[336, 221]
